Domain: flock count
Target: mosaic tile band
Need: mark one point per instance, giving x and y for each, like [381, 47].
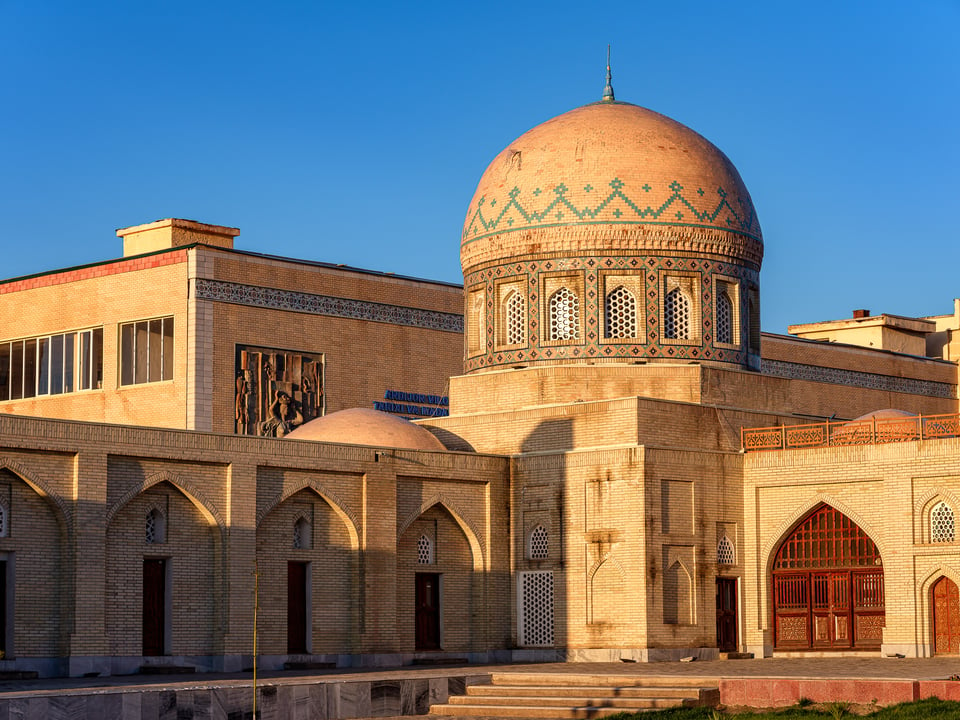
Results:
[669, 205]
[590, 270]
[872, 381]
[256, 296]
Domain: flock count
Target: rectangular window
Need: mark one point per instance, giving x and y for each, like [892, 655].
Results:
[16, 370]
[29, 368]
[91, 359]
[50, 365]
[4, 371]
[69, 361]
[146, 351]
[43, 366]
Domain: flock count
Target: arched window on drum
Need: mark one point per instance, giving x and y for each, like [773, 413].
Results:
[514, 314]
[564, 315]
[676, 315]
[620, 313]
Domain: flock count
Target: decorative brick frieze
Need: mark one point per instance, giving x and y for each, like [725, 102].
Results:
[873, 381]
[256, 296]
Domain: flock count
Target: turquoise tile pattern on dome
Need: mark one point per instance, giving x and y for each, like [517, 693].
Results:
[676, 205]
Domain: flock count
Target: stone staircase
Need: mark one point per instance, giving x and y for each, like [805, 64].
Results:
[568, 695]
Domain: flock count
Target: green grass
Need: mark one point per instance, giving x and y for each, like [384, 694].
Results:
[929, 709]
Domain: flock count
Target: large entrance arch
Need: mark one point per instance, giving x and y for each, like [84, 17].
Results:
[827, 586]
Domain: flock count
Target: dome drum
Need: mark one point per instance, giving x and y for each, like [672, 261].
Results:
[612, 309]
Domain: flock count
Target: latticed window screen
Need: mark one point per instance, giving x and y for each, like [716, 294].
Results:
[536, 609]
[564, 315]
[621, 313]
[826, 538]
[4, 524]
[515, 312]
[725, 554]
[941, 523]
[539, 543]
[724, 318]
[301, 534]
[154, 530]
[676, 311]
[424, 550]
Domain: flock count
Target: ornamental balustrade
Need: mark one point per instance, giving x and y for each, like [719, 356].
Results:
[863, 432]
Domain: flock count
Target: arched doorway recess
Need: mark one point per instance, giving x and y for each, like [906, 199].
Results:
[827, 585]
[946, 617]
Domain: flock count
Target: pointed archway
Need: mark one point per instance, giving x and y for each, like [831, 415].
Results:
[827, 585]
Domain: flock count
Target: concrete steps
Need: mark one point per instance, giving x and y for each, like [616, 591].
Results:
[567, 695]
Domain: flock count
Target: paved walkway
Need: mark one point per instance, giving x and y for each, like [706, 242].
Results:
[826, 667]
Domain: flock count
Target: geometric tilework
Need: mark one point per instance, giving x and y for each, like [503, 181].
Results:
[593, 342]
[256, 296]
[873, 381]
[671, 204]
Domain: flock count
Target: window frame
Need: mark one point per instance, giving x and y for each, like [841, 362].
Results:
[37, 357]
[136, 362]
[688, 285]
[635, 285]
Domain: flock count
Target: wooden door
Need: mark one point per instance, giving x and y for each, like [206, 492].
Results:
[830, 608]
[727, 614]
[3, 607]
[427, 611]
[946, 617]
[297, 608]
[154, 606]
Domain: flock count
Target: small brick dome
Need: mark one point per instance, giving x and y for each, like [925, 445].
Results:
[628, 177]
[362, 426]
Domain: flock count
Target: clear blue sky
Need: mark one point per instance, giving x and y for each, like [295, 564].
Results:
[355, 133]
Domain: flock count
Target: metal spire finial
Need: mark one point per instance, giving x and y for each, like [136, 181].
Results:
[608, 90]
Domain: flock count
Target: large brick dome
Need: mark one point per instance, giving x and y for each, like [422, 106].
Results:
[611, 234]
[615, 172]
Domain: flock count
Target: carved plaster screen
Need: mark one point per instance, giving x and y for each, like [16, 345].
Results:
[725, 554]
[276, 390]
[941, 523]
[621, 314]
[535, 590]
[564, 315]
[724, 318]
[515, 313]
[676, 311]
[424, 551]
[539, 543]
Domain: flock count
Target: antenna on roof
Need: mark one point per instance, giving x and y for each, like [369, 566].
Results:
[608, 90]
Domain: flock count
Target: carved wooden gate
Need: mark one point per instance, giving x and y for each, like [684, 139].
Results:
[946, 617]
[827, 585]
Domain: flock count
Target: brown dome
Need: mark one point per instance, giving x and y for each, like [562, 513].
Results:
[885, 414]
[361, 426]
[612, 171]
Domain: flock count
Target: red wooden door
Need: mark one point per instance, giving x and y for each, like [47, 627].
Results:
[831, 609]
[727, 614]
[946, 617]
[297, 608]
[427, 611]
[154, 606]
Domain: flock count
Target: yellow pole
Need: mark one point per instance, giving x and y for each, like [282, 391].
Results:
[256, 601]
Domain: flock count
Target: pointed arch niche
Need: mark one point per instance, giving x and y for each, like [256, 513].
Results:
[827, 585]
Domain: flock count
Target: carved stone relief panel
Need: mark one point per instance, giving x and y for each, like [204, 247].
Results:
[276, 390]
